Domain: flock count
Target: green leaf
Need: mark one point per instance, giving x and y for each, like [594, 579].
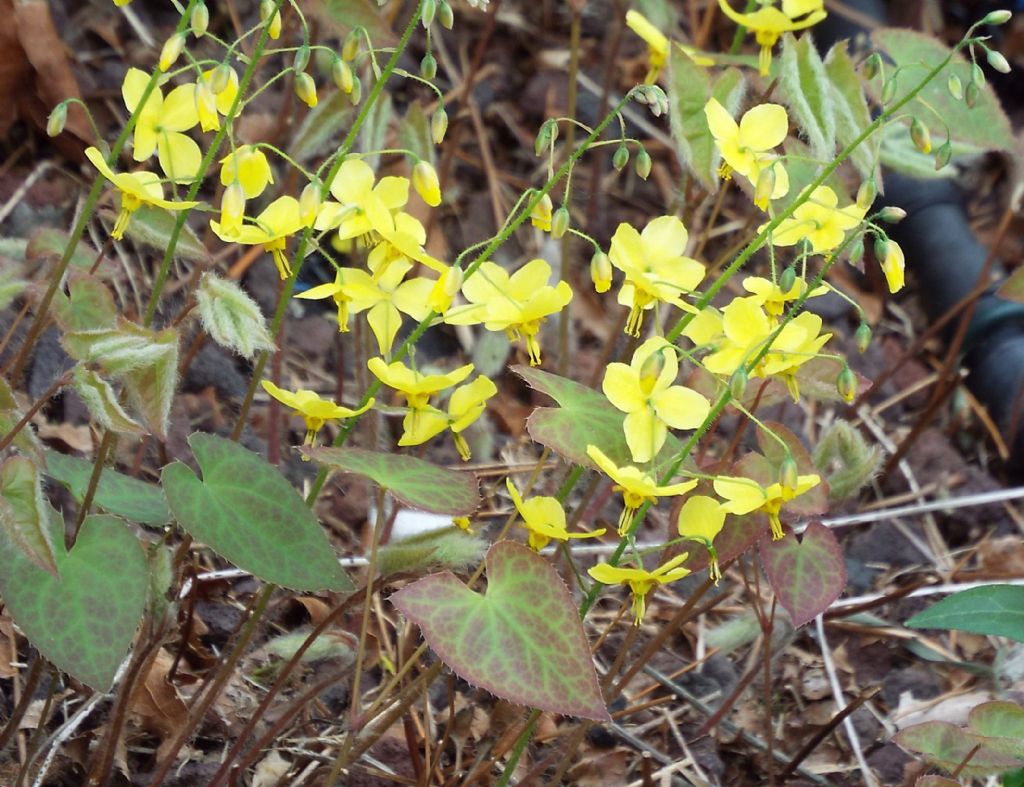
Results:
[322, 124]
[116, 493]
[947, 746]
[1001, 723]
[805, 88]
[343, 15]
[1013, 288]
[89, 307]
[985, 127]
[373, 135]
[853, 115]
[10, 414]
[152, 227]
[11, 286]
[416, 483]
[414, 132]
[245, 510]
[23, 512]
[522, 640]
[448, 547]
[231, 317]
[84, 621]
[806, 575]
[584, 417]
[48, 243]
[101, 400]
[995, 610]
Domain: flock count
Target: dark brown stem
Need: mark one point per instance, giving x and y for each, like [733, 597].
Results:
[37, 734]
[108, 442]
[35, 672]
[50, 392]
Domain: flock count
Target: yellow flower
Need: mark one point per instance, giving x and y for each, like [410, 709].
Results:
[364, 205]
[542, 213]
[655, 269]
[637, 487]
[280, 219]
[768, 23]
[657, 42]
[544, 518]
[796, 344]
[769, 295]
[893, 265]
[232, 210]
[424, 180]
[210, 102]
[314, 410]
[466, 405]
[161, 124]
[404, 241]
[744, 496]
[820, 221]
[745, 145]
[517, 304]
[135, 189]
[644, 391]
[640, 582]
[701, 518]
[248, 166]
[422, 421]
[341, 290]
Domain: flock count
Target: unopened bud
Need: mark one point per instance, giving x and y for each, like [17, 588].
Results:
[621, 157]
[998, 62]
[206, 105]
[943, 155]
[846, 384]
[738, 383]
[787, 280]
[350, 48]
[997, 18]
[57, 120]
[445, 15]
[642, 164]
[232, 209]
[872, 66]
[889, 90]
[866, 194]
[424, 180]
[881, 247]
[305, 89]
[438, 125]
[171, 51]
[357, 90]
[301, 58]
[971, 93]
[309, 203]
[271, 17]
[764, 188]
[601, 271]
[856, 252]
[560, 222]
[199, 21]
[891, 214]
[654, 97]
[955, 87]
[221, 78]
[429, 10]
[341, 75]
[546, 136]
[653, 366]
[789, 474]
[920, 136]
[428, 66]
[862, 337]
[977, 75]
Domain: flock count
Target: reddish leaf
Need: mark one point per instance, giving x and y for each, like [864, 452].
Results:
[806, 575]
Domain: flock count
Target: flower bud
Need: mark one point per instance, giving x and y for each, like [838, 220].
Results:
[738, 383]
[429, 10]
[309, 203]
[438, 125]
[856, 253]
[642, 164]
[872, 66]
[428, 66]
[943, 155]
[357, 90]
[787, 280]
[997, 18]
[955, 87]
[601, 271]
[301, 58]
[889, 90]
[57, 120]
[621, 157]
[445, 289]
[998, 61]
[445, 15]
[891, 214]
[221, 78]
[199, 21]
[652, 368]
[305, 89]
[893, 264]
[171, 51]
[862, 337]
[789, 474]
[206, 106]
[232, 210]
[424, 180]
[971, 93]
[271, 17]
[920, 136]
[540, 216]
[560, 222]
[341, 75]
[546, 136]
[764, 188]
[977, 75]
[846, 384]
[350, 48]
[866, 194]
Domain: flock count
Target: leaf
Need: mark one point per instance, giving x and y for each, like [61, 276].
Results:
[100, 399]
[414, 132]
[343, 15]
[936, 781]
[947, 746]
[853, 115]
[805, 88]
[116, 493]
[48, 243]
[320, 125]
[985, 127]
[152, 227]
[373, 134]
[10, 286]
[995, 610]
[245, 510]
[231, 317]
[84, 621]
[1001, 723]
[416, 483]
[448, 547]
[1013, 288]
[584, 417]
[522, 640]
[10, 414]
[806, 575]
[23, 512]
[89, 307]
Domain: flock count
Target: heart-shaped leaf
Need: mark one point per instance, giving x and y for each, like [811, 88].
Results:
[245, 510]
[89, 306]
[1001, 723]
[522, 640]
[416, 483]
[84, 621]
[23, 514]
[806, 575]
[949, 746]
[994, 610]
[116, 493]
[584, 417]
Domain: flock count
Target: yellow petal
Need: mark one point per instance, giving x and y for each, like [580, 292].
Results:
[179, 111]
[701, 517]
[180, 157]
[741, 494]
[763, 127]
[622, 388]
[720, 122]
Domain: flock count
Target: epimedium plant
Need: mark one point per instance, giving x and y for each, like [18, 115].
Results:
[809, 164]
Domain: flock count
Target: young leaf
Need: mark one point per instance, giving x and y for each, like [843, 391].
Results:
[101, 400]
[373, 134]
[49, 243]
[994, 610]
[245, 510]
[11, 286]
[806, 575]
[89, 307]
[521, 640]
[414, 131]
[1001, 723]
[320, 125]
[152, 227]
[948, 746]
[84, 621]
[231, 317]
[23, 512]
[116, 493]
[806, 90]
[853, 115]
[416, 483]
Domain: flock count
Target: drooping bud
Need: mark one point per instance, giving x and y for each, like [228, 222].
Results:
[271, 17]
[866, 194]
[738, 383]
[232, 210]
[943, 155]
[889, 90]
[890, 214]
[846, 384]
[445, 15]
[350, 48]
[429, 10]
[998, 61]
[601, 271]
[424, 180]
[789, 474]
[863, 337]
[620, 158]
[309, 203]
[301, 58]
[971, 93]
[546, 136]
[341, 75]
[438, 125]
[856, 253]
[305, 89]
[199, 21]
[428, 66]
[357, 90]
[764, 188]
[642, 164]
[171, 51]
[1000, 17]
[57, 120]
[653, 366]
[787, 279]
[977, 75]
[893, 265]
[955, 87]
[560, 222]
[872, 66]
[221, 78]
[920, 136]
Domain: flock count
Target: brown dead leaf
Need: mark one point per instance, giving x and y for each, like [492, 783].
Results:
[607, 767]
[155, 703]
[8, 648]
[271, 770]
[315, 608]
[14, 70]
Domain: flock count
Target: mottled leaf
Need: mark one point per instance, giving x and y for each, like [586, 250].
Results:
[116, 493]
[807, 575]
[805, 88]
[522, 640]
[10, 414]
[23, 512]
[152, 227]
[245, 510]
[1001, 723]
[89, 306]
[995, 610]
[101, 400]
[49, 243]
[84, 621]
[416, 483]
[948, 746]
[853, 115]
